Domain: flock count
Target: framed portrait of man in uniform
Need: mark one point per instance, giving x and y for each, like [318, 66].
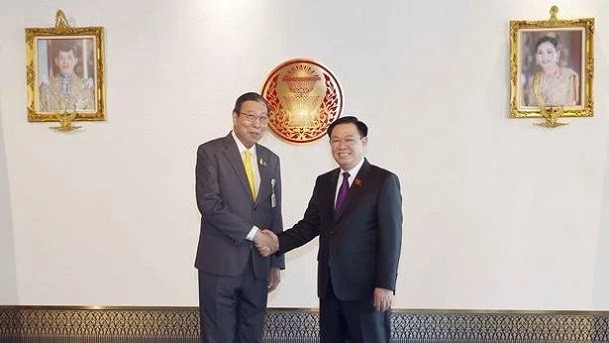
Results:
[65, 74]
[551, 67]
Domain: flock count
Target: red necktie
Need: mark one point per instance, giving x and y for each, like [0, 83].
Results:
[342, 192]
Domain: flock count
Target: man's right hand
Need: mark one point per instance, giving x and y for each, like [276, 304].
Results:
[266, 242]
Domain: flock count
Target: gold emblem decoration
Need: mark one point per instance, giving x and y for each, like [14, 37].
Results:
[304, 98]
[65, 121]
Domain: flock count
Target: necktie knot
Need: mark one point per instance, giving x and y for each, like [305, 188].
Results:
[342, 192]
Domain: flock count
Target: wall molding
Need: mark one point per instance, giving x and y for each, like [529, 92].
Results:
[180, 324]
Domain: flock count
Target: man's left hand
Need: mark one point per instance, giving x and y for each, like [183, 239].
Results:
[382, 299]
[274, 279]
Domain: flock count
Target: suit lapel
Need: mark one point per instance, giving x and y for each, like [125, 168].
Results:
[264, 189]
[232, 154]
[356, 189]
[329, 197]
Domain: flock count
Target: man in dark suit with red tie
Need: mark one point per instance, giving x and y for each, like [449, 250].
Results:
[356, 210]
[238, 190]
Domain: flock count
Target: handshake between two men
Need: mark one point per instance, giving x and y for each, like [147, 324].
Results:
[266, 242]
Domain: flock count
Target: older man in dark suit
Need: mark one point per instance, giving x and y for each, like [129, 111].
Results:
[238, 190]
[356, 210]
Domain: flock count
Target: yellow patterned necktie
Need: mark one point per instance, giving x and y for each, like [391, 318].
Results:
[249, 171]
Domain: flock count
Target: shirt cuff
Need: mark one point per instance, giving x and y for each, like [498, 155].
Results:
[250, 236]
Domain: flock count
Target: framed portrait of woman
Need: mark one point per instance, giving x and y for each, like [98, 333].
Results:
[551, 67]
[65, 72]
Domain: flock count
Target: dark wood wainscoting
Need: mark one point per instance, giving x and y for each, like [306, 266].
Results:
[90, 324]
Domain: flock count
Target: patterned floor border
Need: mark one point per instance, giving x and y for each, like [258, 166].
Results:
[180, 324]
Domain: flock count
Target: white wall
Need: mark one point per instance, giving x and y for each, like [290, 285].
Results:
[499, 213]
[8, 291]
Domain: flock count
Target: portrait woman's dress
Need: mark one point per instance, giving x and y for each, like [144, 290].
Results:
[558, 89]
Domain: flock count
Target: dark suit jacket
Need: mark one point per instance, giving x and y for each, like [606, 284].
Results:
[360, 248]
[228, 212]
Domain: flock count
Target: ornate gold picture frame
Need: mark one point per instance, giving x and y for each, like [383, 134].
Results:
[551, 68]
[65, 72]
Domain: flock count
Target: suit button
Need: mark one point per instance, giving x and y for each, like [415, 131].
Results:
[332, 233]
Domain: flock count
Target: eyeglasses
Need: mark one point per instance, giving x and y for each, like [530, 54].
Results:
[263, 119]
[350, 141]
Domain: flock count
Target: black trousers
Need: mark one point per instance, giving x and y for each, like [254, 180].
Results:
[351, 321]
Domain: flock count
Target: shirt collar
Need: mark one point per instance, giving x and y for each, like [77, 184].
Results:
[353, 171]
[240, 145]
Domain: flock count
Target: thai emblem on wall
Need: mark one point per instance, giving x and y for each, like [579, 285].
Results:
[304, 98]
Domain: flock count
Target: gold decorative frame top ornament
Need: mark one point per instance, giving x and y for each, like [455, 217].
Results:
[304, 98]
[551, 69]
[65, 73]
